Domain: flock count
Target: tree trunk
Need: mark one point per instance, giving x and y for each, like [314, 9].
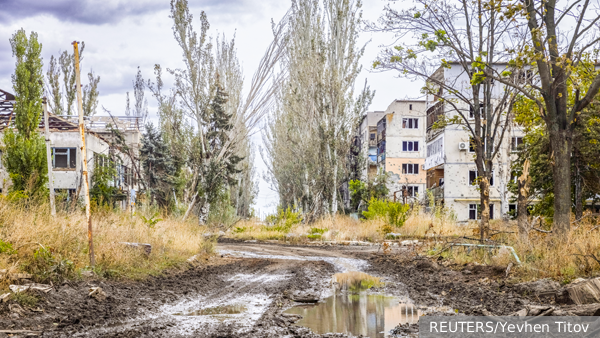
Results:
[203, 213]
[523, 195]
[189, 209]
[335, 190]
[561, 148]
[484, 225]
[578, 192]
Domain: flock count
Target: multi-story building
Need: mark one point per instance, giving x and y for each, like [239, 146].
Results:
[66, 153]
[450, 158]
[367, 138]
[401, 146]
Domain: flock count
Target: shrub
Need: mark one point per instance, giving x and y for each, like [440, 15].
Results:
[283, 220]
[394, 213]
[44, 266]
[6, 247]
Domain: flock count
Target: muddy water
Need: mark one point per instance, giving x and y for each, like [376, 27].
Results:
[371, 315]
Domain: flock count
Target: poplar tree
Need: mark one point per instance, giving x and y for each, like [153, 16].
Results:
[24, 149]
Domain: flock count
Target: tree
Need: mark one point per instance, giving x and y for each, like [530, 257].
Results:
[159, 170]
[199, 101]
[25, 151]
[469, 33]
[310, 133]
[555, 50]
[62, 98]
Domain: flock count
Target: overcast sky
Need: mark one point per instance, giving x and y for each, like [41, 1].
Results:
[122, 35]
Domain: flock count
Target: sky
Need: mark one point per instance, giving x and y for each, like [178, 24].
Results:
[121, 36]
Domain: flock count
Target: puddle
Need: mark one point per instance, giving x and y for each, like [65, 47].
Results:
[232, 309]
[364, 314]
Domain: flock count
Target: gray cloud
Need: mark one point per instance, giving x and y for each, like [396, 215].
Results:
[94, 12]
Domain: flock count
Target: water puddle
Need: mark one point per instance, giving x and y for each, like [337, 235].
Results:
[232, 309]
[370, 315]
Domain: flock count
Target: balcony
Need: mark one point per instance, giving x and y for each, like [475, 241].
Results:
[434, 113]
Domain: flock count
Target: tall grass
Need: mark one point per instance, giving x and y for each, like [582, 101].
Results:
[542, 256]
[50, 247]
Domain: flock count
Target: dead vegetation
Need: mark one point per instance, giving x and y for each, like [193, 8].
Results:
[543, 256]
[55, 248]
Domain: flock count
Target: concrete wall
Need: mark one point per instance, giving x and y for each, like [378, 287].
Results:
[395, 135]
[456, 163]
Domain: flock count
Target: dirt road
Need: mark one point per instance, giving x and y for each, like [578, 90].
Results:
[245, 290]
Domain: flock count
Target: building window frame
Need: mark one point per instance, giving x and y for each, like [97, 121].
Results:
[410, 146]
[71, 157]
[474, 175]
[411, 190]
[410, 168]
[410, 123]
[475, 211]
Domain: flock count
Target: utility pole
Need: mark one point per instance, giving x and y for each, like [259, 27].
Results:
[84, 154]
[49, 158]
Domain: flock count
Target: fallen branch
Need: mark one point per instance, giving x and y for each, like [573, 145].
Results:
[540, 230]
[21, 331]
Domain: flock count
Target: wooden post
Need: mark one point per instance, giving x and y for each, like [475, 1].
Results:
[84, 154]
[49, 159]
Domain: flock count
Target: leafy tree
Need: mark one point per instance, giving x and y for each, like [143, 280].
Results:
[25, 151]
[362, 192]
[464, 32]
[62, 97]
[102, 191]
[555, 49]
[159, 170]
[309, 135]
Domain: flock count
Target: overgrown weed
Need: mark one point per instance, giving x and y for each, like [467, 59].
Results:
[54, 248]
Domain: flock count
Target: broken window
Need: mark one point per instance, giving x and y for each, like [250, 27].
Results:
[472, 112]
[410, 168]
[410, 123]
[473, 178]
[411, 190]
[410, 145]
[516, 143]
[475, 211]
[410, 107]
[65, 158]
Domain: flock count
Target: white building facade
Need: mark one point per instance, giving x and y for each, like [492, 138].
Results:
[450, 159]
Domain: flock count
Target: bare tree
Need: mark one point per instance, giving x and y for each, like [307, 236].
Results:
[471, 35]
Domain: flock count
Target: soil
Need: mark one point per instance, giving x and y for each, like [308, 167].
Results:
[261, 277]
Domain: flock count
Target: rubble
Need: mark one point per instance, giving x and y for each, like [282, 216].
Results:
[97, 293]
[32, 286]
[583, 291]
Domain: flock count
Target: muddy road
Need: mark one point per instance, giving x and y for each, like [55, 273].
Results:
[262, 290]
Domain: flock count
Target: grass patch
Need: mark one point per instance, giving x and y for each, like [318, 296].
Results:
[55, 248]
[25, 299]
[355, 281]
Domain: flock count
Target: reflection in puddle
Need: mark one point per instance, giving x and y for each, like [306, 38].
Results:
[367, 314]
[217, 310]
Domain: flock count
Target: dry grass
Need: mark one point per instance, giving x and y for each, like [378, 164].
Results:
[542, 256]
[43, 244]
[355, 281]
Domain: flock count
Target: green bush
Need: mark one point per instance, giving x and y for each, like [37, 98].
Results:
[394, 213]
[45, 267]
[6, 247]
[283, 220]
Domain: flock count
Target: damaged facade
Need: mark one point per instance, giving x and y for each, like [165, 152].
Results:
[100, 147]
[421, 157]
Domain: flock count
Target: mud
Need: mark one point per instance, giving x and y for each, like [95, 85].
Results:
[244, 291]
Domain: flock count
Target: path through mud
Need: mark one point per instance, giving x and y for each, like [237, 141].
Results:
[268, 290]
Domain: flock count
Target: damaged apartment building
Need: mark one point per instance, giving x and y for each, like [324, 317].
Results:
[419, 157]
[100, 147]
